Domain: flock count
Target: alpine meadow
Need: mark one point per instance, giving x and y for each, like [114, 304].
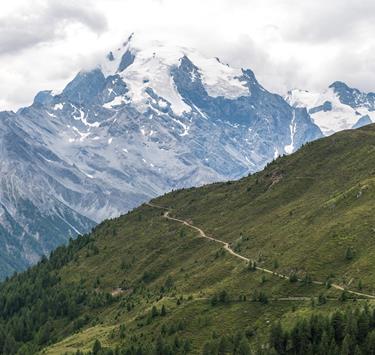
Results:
[179, 177]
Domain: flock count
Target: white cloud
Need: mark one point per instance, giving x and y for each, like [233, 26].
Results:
[289, 43]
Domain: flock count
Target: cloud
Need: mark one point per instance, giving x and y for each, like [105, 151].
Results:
[44, 22]
[334, 20]
[288, 43]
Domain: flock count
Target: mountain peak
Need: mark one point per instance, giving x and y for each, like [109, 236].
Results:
[339, 85]
[146, 66]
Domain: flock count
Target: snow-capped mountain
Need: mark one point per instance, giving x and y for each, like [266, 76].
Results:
[337, 108]
[149, 118]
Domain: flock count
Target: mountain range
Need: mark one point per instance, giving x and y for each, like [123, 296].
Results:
[149, 118]
[278, 262]
[337, 108]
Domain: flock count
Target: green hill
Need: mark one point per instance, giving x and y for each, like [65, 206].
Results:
[146, 284]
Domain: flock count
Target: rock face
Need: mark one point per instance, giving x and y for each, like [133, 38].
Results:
[150, 118]
[337, 108]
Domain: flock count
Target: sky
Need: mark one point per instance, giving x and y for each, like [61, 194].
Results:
[304, 44]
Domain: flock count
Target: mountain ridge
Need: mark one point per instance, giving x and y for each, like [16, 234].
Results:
[150, 118]
[307, 216]
[336, 108]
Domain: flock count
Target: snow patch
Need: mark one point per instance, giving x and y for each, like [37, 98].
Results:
[289, 149]
[83, 119]
[339, 118]
[220, 79]
[58, 106]
[117, 101]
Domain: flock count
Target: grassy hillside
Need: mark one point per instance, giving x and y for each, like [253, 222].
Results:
[304, 210]
[145, 281]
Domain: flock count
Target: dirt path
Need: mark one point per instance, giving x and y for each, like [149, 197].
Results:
[239, 256]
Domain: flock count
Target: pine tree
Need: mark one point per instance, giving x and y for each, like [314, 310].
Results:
[159, 346]
[357, 350]
[244, 347]
[97, 347]
[187, 346]
[176, 342]
[363, 326]
[338, 326]
[224, 346]
[154, 312]
[278, 339]
[324, 344]
[163, 311]
[347, 345]
[293, 277]
[344, 296]
[322, 299]
[214, 300]
[223, 297]
[333, 349]
[370, 343]
[207, 348]
[349, 254]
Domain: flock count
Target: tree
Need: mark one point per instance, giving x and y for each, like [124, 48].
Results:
[337, 322]
[223, 297]
[363, 324]
[224, 346]
[44, 333]
[154, 312]
[176, 342]
[159, 346]
[262, 298]
[347, 345]
[244, 347]
[97, 347]
[322, 299]
[357, 350]
[163, 311]
[214, 300]
[187, 346]
[324, 343]
[122, 331]
[10, 346]
[208, 348]
[344, 296]
[168, 282]
[370, 343]
[278, 339]
[349, 254]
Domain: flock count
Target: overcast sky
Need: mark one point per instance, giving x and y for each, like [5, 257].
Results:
[288, 43]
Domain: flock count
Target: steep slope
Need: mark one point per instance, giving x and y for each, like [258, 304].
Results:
[33, 220]
[150, 118]
[337, 108]
[307, 217]
[304, 210]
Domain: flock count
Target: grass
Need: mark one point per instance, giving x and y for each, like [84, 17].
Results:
[302, 213]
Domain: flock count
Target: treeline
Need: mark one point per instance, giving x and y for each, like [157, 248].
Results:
[236, 345]
[342, 333]
[31, 302]
[161, 346]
